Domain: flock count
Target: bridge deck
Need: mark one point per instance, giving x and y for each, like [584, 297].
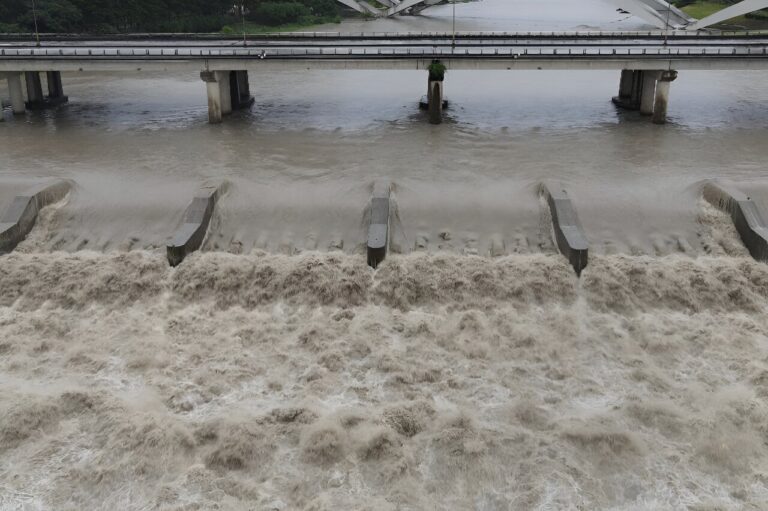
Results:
[490, 51]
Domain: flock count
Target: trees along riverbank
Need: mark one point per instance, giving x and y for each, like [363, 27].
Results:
[123, 16]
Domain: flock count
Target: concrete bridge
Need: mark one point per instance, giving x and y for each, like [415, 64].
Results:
[648, 61]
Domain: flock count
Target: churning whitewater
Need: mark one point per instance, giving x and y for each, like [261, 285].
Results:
[438, 381]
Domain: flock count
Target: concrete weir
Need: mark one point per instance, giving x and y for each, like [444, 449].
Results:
[745, 215]
[569, 234]
[378, 223]
[20, 217]
[190, 235]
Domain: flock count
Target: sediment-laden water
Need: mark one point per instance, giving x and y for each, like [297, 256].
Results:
[472, 370]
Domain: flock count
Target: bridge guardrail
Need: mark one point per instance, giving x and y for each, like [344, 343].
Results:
[261, 53]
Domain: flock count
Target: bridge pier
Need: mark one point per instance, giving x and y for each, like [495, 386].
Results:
[240, 90]
[662, 96]
[435, 101]
[36, 100]
[17, 93]
[647, 91]
[227, 90]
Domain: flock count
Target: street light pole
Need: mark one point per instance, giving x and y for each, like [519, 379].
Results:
[453, 40]
[242, 13]
[34, 17]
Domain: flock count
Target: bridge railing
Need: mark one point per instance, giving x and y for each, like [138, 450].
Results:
[262, 53]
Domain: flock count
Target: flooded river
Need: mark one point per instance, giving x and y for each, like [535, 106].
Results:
[472, 370]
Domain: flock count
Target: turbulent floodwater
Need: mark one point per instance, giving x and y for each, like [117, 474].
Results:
[275, 371]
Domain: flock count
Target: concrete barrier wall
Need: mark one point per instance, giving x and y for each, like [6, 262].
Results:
[19, 219]
[190, 235]
[745, 214]
[569, 234]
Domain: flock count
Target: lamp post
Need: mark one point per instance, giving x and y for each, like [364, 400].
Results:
[242, 13]
[34, 17]
[453, 40]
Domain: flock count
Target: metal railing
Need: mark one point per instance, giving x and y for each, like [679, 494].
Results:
[374, 53]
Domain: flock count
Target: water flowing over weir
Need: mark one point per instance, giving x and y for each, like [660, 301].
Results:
[273, 369]
[438, 380]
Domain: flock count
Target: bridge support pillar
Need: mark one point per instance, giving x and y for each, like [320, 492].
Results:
[17, 94]
[240, 90]
[435, 101]
[35, 98]
[630, 90]
[34, 90]
[55, 87]
[625, 85]
[648, 92]
[219, 99]
[662, 96]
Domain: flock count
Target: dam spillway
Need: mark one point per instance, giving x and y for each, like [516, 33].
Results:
[474, 368]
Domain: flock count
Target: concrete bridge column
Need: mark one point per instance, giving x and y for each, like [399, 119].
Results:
[630, 89]
[240, 90]
[435, 101]
[17, 94]
[220, 93]
[637, 90]
[625, 85]
[224, 89]
[648, 92]
[35, 97]
[55, 88]
[662, 96]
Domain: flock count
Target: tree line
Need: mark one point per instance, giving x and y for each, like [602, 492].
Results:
[122, 16]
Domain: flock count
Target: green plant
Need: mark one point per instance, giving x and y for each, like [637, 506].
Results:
[436, 71]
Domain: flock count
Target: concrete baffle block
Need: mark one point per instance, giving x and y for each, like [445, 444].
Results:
[378, 223]
[190, 235]
[19, 219]
[569, 235]
[745, 214]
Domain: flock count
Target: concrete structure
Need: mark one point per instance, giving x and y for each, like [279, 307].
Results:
[435, 100]
[646, 91]
[746, 216]
[20, 217]
[390, 7]
[378, 224]
[651, 57]
[190, 236]
[663, 15]
[662, 96]
[17, 94]
[738, 9]
[658, 13]
[36, 100]
[569, 234]
[227, 90]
